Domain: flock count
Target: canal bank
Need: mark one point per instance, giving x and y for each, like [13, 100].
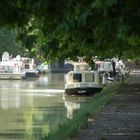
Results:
[84, 116]
[120, 119]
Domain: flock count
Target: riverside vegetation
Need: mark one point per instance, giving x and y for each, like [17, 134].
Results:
[82, 117]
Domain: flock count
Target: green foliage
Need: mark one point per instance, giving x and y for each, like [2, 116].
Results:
[134, 41]
[8, 42]
[103, 4]
[80, 28]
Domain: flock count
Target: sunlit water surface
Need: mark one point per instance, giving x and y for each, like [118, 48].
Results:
[31, 109]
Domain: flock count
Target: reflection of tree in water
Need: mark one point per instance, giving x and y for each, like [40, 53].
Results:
[51, 80]
[40, 123]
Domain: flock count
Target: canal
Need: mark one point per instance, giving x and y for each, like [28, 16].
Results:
[30, 109]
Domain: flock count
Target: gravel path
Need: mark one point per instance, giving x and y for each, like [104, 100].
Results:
[120, 119]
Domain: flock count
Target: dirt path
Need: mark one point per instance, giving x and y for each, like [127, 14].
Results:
[120, 119]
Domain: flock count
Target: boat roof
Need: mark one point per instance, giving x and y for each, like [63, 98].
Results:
[103, 62]
[80, 66]
[86, 71]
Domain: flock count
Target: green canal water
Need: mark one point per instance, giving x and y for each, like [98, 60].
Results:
[31, 109]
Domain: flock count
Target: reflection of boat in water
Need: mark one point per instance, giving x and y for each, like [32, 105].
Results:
[82, 80]
[73, 103]
[71, 107]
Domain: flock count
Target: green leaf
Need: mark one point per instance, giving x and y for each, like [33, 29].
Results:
[83, 18]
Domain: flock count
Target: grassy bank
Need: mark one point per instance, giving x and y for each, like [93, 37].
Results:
[80, 120]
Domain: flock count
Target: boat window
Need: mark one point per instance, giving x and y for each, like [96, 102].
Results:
[89, 77]
[77, 77]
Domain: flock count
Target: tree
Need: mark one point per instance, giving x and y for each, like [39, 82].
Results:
[69, 29]
[8, 42]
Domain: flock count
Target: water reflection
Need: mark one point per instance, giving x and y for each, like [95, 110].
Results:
[30, 109]
[72, 103]
[9, 101]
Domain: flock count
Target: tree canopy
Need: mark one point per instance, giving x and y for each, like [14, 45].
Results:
[72, 28]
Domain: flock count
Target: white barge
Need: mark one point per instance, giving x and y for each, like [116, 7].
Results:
[17, 68]
[10, 68]
[82, 80]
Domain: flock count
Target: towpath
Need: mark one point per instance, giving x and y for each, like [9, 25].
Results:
[120, 119]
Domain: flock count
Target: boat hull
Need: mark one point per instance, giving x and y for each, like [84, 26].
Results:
[29, 74]
[10, 76]
[82, 91]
